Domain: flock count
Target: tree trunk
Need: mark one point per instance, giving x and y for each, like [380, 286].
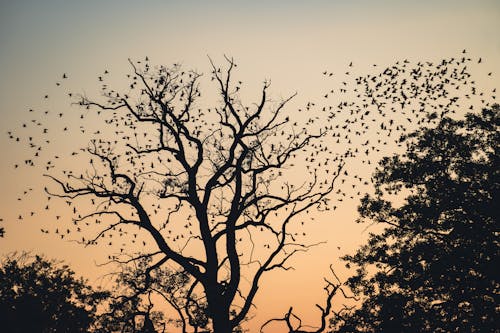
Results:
[219, 313]
[221, 322]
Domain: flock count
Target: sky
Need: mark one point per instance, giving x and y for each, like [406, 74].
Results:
[289, 42]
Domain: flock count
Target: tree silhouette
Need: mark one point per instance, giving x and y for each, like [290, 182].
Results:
[434, 266]
[38, 295]
[294, 323]
[131, 307]
[221, 173]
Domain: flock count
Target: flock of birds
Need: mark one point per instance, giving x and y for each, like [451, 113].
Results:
[368, 120]
[357, 122]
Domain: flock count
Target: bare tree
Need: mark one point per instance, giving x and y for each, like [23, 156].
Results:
[294, 322]
[220, 173]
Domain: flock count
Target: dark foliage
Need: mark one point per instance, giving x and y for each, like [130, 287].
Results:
[434, 266]
[132, 307]
[38, 295]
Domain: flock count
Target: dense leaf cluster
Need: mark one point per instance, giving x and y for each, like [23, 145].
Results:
[131, 308]
[38, 295]
[434, 266]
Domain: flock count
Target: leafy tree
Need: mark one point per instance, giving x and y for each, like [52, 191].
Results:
[434, 268]
[39, 295]
[131, 309]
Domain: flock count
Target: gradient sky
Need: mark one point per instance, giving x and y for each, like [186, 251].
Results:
[290, 42]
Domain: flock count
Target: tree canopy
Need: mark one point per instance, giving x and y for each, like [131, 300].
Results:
[39, 295]
[131, 308]
[434, 268]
